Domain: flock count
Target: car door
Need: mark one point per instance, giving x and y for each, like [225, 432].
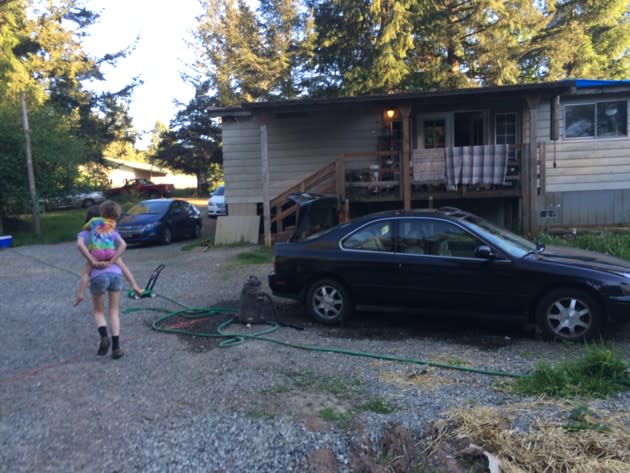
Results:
[438, 270]
[178, 218]
[368, 263]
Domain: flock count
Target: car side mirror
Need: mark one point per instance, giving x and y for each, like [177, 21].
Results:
[484, 252]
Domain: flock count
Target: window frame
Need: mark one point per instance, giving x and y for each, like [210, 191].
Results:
[516, 127]
[595, 112]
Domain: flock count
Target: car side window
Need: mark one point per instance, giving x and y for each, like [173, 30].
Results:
[376, 236]
[437, 238]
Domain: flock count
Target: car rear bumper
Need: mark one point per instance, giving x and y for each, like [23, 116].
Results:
[280, 287]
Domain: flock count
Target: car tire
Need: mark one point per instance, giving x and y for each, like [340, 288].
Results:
[154, 195]
[87, 203]
[196, 231]
[328, 302]
[166, 236]
[569, 314]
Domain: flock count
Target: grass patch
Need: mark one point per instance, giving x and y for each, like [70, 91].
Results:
[599, 373]
[378, 406]
[56, 227]
[331, 415]
[615, 244]
[343, 389]
[191, 245]
[256, 255]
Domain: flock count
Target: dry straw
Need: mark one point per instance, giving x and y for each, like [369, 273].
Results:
[553, 443]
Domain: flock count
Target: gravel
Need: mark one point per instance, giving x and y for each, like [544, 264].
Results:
[178, 403]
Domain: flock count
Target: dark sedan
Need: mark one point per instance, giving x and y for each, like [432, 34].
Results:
[450, 261]
[160, 221]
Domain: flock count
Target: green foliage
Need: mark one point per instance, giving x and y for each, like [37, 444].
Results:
[258, 255]
[331, 415]
[193, 142]
[43, 59]
[579, 421]
[351, 47]
[599, 373]
[378, 406]
[57, 227]
[615, 244]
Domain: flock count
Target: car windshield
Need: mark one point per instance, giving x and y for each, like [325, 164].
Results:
[219, 191]
[509, 242]
[149, 207]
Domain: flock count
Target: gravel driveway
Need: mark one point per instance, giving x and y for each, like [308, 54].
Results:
[177, 403]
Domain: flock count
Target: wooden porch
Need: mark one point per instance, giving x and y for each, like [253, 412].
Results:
[376, 177]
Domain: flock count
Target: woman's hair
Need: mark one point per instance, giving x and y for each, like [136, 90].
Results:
[110, 209]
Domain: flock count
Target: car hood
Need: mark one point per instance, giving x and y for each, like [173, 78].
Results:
[585, 259]
[130, 220]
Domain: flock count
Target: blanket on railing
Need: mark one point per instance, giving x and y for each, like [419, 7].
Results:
[429, 166]
[485, 164]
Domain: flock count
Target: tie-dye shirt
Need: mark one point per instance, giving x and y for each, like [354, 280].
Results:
[102, 243]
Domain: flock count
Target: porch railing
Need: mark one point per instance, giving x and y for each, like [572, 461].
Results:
[488, 170]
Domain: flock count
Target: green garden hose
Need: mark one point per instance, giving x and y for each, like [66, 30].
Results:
[232, 339]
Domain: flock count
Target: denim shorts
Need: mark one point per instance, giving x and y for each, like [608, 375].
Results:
[110, 282]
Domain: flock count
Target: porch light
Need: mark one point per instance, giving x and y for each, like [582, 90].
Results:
[390, 113]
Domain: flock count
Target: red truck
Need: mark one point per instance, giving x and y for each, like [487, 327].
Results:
[143, 187]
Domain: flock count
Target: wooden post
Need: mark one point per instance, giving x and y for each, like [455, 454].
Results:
[340, 174]
[264, 162]
[405, 112]
[29, 166]
[530, 190]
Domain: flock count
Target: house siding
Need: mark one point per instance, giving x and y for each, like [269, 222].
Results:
[588, 178]
[297, 148]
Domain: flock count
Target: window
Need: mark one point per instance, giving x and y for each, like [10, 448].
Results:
[505, 128]
[603, 119]
[435, 237]
[434, 133]
[376, 236]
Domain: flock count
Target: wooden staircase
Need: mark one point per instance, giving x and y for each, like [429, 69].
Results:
[284, 211]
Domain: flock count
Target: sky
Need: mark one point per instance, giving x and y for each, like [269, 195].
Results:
[161, 28]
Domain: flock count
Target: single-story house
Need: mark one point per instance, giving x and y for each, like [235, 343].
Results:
[522, 155]
[121, 170]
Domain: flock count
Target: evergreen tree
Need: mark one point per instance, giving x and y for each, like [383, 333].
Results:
[193, 142]
[42, 58]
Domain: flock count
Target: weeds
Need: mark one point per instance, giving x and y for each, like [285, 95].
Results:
[378, 406]
[615, 244]
[599, 373]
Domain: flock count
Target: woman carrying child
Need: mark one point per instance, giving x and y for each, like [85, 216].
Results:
[103, 246]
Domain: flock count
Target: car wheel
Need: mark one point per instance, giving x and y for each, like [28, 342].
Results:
[569, 314]
[166, 237]
[87, 203]
[328, 302]
[196, 231]
[154, 195]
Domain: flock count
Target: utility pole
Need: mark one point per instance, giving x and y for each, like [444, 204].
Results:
[29, 166]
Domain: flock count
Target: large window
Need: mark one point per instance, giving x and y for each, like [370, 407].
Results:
[602, 119]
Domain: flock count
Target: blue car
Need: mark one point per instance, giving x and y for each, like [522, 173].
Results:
[160, 221]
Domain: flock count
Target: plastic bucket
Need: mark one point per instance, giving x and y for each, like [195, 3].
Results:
[5, 241]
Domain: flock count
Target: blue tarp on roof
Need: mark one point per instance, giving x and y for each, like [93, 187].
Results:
[582, 83]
